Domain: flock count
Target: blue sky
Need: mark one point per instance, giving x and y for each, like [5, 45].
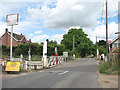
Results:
[41, 20]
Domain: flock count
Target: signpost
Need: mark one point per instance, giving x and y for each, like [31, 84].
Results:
[11, 19]
[65, 55]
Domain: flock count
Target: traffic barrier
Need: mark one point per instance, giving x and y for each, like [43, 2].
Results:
[52, 60]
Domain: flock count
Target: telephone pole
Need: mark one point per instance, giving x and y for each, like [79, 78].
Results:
[73, 45]
[106, 32]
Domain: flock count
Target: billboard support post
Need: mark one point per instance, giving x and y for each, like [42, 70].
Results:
[11, 43]
[11, 19]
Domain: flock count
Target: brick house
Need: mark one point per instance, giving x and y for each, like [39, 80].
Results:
[17, 39]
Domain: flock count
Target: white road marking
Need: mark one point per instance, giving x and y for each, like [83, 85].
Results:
[62, 73]
[23, 74]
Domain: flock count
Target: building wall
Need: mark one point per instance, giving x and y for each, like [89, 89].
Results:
[23, 41]
[14, 42]
[6, 40]
[116, 44]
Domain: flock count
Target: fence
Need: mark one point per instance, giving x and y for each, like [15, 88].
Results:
[25, 64]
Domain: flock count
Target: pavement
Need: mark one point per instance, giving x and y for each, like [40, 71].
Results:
[80, 73]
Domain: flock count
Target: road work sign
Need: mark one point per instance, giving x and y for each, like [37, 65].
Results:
[13, 66]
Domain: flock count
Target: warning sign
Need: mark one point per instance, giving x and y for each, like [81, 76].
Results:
[13, 66]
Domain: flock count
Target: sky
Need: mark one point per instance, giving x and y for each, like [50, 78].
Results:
[51, 19]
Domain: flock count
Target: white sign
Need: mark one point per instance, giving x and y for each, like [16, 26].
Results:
[12, 19]
[65, 54]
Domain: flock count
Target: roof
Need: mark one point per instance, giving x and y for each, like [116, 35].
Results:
[115, 39]
[17, 36]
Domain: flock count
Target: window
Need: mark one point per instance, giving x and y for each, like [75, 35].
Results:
[115, 45]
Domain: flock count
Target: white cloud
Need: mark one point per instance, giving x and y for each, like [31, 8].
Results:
[100, 32]
[40, 38]
[38, 32]
[30, 35]
[78, 7]
[36, 14]
[78, 13]
[27, 0]
[66, 14]
[57, 37]
[3, 27]
[77, 27]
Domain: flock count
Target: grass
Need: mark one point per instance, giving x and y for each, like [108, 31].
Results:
[109, 68]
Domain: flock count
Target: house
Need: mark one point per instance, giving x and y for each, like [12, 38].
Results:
[116, 42]
[17, 39]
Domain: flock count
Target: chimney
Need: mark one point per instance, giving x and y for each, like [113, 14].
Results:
[6, 29]
[29, 40]
[21, 34]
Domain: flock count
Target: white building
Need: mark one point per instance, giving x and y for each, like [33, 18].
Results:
[116, 42]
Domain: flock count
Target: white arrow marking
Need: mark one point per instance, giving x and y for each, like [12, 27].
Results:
[63, 73]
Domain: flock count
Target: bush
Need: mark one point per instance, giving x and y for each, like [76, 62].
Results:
[103, 67]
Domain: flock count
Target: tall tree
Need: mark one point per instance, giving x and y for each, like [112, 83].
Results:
[83, 45]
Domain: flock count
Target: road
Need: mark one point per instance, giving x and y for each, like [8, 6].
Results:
[80, 73]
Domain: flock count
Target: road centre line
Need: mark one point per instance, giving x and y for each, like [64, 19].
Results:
[62, 73]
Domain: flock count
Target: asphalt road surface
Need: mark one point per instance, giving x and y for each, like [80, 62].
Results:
[80, 73]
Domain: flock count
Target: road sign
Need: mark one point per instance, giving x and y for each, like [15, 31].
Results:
[109, 42]
[13, 66]
[65, 54]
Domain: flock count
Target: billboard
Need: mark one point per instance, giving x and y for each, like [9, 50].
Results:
[12, 19]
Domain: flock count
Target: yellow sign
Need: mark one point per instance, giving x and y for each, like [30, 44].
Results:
[13, 66]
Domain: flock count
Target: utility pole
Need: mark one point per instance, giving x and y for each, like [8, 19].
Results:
[97, 48]
[106, 32]
[73, 47]
[96, 41]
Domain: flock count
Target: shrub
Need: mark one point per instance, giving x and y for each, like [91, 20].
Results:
[103, 67]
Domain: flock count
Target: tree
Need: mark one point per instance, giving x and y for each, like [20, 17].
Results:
[83, 45]
[102, 43]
